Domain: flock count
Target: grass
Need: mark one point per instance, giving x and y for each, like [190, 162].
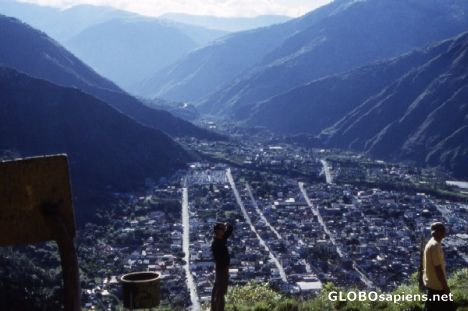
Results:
[259, 297]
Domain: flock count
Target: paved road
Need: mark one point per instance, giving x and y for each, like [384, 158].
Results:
[260, 213]
[186, 248]
[327, 171]
[252, 227]
[316, 212]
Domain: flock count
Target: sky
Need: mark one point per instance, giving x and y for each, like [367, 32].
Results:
[223, 8]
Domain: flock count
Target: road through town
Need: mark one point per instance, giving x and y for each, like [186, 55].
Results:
[327, 171]
[186, 248]
[316, 212]
[252, 227]
[260, 213]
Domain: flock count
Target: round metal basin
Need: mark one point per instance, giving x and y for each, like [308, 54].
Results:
[140, 290]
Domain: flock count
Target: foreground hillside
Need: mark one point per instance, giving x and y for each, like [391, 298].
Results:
[258, 297]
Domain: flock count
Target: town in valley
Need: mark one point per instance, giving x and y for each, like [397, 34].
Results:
[302, 217]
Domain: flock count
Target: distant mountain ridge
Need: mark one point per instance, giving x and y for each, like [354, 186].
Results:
[107, 150]
[34, 53]
[59, 24]
[215, 66]
[312, 107]
[230, 24]
[123, 46]
[354, 34]
[78, 18]
[127, 51]
[253, 66]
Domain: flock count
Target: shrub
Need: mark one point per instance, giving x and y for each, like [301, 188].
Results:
[252, 295]
[288, 305]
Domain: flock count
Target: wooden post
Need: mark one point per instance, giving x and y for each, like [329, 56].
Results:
[68, 257]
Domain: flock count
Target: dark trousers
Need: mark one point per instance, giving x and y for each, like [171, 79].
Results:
[219, 288]
[434, 303]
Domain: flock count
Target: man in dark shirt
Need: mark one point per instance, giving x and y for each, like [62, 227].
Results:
[222, 231]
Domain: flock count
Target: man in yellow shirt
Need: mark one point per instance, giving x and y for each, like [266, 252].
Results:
[434, 276]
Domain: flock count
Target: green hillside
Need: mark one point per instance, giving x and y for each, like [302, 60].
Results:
[258, 297]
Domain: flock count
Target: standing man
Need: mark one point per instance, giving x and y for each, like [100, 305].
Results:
[222, 231]
[434, 276]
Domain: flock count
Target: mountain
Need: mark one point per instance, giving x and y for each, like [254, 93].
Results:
[124, 47]
[72, 20]
[106, 149]
[215, 66]
[312, 107]
[336, 38]
[130, 50]
[127, 51]
[202, 36]
[78, 18]
[34, 53]
[422, 116]
[355, 34]
[230, 24]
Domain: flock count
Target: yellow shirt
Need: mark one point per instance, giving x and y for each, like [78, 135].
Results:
[433, 256]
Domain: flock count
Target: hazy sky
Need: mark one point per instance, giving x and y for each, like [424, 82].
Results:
[200, 7]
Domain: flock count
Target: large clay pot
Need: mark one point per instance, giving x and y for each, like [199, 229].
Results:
[140, 290]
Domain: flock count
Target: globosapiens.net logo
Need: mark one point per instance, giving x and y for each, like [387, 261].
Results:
[376, 296]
